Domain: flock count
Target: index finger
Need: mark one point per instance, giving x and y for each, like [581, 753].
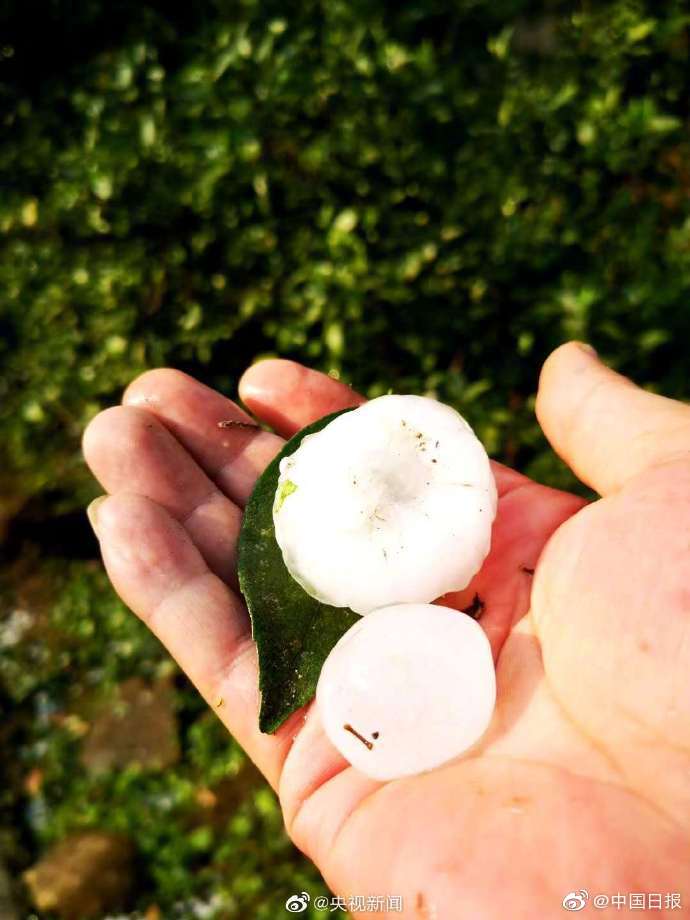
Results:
[288, 396]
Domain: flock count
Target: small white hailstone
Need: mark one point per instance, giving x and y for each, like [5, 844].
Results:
[392, 502]
[406, 689]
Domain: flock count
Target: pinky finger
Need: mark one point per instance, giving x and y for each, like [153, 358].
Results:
[160, 574]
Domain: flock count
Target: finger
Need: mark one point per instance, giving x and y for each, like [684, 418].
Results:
[162, 577]
[232, 457]
[287, 395]
[604, 427]
[128, 449]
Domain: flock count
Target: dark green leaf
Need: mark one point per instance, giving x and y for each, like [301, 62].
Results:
[294, 632]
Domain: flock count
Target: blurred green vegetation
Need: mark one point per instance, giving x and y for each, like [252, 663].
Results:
[425, 196]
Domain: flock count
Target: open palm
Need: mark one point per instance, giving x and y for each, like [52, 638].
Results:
[583, 779]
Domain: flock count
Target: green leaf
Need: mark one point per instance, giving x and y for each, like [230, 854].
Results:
[293, 632]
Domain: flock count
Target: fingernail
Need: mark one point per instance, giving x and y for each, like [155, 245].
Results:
[255, 384]
[588, 349]
[261, 359]
[92, 512]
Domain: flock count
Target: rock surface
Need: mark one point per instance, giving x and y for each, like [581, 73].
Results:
[83, 876]
[137, 726]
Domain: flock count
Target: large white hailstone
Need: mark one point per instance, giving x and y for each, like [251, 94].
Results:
[406, 689]
[392, 502]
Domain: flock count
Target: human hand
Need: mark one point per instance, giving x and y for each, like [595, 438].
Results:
[582, 778]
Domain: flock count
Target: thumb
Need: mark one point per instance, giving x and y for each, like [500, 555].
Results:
[605, 427]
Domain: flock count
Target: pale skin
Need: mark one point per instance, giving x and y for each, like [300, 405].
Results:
[583, 779]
